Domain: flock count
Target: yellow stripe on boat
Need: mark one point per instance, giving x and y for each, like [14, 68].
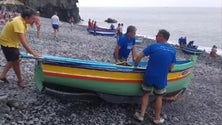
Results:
[91, 72]
[71, 71]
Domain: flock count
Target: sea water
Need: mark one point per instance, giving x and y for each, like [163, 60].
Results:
[201, 25]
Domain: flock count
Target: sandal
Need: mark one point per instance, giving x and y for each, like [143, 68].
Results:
[138, 117]
[21, 84]
[160, 121]
[4, 80]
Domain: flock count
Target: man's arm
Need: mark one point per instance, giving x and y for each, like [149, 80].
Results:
[133, 53]
[171, 66]
[58, 20]
[24, 43]
[138, 58]
[173, 62]
[116, 53]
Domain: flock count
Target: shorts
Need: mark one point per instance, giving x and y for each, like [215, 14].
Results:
[156, 91]
[55, 26]
[11, 54]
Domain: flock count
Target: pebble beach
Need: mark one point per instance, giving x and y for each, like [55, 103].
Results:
[201, 103]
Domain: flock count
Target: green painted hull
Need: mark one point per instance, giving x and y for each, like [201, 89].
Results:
[115, 88]
[124, 89]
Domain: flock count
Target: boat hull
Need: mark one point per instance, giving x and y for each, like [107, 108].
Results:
[102, 32]
[107, 78]
[124, 83]
[114, 88]
[192, 51]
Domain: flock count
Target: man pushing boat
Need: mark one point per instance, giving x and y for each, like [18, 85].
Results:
[162, 57]
[125, 45]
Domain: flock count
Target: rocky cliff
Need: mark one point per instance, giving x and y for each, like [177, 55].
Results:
[64, 8]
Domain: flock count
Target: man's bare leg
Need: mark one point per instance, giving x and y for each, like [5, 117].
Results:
[8, 66]
[16, 68]
[158, 106]
[144, 104]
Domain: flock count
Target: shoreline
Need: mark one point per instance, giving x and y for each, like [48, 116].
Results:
[175, 43]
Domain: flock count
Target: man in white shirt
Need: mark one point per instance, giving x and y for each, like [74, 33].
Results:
[55, 24]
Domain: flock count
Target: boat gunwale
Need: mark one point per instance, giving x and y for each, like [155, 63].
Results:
[192, 50]
[111, 69]
[105, 79]
[65, 60]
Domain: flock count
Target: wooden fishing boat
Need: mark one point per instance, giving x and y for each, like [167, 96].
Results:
[102, 31]
[194, 51]
[107, 78]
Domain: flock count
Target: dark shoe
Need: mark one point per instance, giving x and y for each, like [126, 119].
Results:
[4, 80]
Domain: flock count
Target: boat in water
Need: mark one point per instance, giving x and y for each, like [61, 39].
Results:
[106, 78]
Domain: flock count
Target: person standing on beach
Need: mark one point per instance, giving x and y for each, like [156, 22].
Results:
[12, 35]
[213, 52]
[118, 32]
[38, 24]
[125, 45]
[162, 57]
[121, 29]
[55, 24]
[71, 21]
[89, 24]
[92, 24]
[112, 27]
[94, 27]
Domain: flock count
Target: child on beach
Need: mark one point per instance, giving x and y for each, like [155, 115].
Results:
[38, 24]
[71, 21]
[213, 52]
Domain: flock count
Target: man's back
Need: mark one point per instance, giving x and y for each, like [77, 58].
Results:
[161, 56]
[55, 19]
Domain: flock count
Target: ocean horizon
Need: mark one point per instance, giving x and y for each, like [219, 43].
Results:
[199, 24]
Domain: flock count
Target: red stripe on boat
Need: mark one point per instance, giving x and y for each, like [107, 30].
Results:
[104, 79]
[90, 78]
[171, 80]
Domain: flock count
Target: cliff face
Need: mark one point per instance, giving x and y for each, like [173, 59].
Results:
[64, 8]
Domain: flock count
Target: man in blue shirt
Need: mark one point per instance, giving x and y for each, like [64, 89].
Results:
[162, 57]
[125, 45]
